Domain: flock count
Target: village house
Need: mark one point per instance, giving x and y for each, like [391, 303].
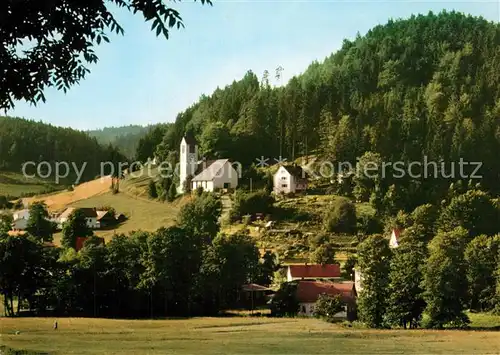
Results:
[21, 214]
[308, 293]
[313, 272]
[208, 175]
[90, 217]
[105, 219]
[20, 220]
[19, 224]
[289, 179]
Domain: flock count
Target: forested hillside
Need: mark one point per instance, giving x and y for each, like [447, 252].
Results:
[125, 138]
[29, 141]
[425, 86]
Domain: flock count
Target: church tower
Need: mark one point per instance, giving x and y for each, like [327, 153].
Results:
[188, 160]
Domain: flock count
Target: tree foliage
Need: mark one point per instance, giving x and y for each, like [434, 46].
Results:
[445, 281]
[39, 224]
[23, 141]
[250, 203]
[63, 35]
[341, 217]
[482, 256]
[284, 302]
[406, 303]
[474, 211]
[422, 86]
[75, 227]
[201, 216]
[373, 261]
[328, 306]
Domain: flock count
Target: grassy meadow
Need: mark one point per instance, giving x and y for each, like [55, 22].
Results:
[144, 214]
[233, 336]
[15, 184]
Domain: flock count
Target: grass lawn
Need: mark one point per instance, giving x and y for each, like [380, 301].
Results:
[144, 214]
[15, 184]
[233, 336]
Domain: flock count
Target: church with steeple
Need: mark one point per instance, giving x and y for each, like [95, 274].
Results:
[207, 174]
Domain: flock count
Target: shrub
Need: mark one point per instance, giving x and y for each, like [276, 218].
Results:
[328, 306]
[251, 203]
[172, 193]
[284, 302]
[341, 218]
[199, 191]
[323, 254]
[369, 224]
[4, 203]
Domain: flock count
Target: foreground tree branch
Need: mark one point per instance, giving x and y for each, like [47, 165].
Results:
[48, 43]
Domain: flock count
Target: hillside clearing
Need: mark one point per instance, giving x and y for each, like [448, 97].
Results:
[59, 201]
[233, 335]
[143, 214]
[15, 184]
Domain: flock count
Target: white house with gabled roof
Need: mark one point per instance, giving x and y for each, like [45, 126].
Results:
[289, 179]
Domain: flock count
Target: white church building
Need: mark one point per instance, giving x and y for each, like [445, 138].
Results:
[207, 174]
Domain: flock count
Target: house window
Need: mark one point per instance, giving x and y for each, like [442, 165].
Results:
[183, 149]
[284, 185]
[283, 178]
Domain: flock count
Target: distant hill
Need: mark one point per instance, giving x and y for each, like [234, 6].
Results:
[43, 146]
[125, 138]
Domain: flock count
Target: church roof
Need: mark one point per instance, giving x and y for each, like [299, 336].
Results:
[211, 171]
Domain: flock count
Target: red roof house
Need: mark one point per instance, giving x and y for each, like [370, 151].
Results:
[308, 293]
[313, 271]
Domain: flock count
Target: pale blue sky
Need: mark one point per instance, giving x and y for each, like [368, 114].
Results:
[141, 79]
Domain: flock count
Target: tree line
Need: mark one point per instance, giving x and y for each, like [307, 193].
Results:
[184, 270]
[29, 141]
[423, 86]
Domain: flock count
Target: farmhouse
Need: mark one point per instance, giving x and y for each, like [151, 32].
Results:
[313, 272]
[289, 179]
[90, 216]
[105, 218]
[208, 175]
[19, 224]
[21, 214]
[309, 291]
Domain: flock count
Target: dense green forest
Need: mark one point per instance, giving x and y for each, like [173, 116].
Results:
[424, 86]
[29, 141]
[125, 138]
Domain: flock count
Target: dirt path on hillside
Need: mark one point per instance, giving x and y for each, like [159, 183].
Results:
[59, 201]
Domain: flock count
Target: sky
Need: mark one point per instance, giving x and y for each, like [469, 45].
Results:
[144, 79]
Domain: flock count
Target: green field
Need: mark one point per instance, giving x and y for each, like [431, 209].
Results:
[233, 336]
[15, 184]
[143, 214]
